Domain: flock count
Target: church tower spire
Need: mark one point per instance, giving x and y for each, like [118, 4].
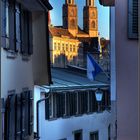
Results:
[70, 17]
[90, 19]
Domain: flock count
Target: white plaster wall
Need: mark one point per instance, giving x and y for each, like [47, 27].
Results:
[63, 128]
[16, 74]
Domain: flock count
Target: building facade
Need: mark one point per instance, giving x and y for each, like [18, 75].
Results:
[73, 51]
[18, 37]
[68, 109]
[124, 38]
[65, 49]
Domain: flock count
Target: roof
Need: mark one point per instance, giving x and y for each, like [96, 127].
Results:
[60, 32]
[69, 79]
[81, 32]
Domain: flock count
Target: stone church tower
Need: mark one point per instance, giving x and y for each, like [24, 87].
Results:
[70, 17]
[90, 18]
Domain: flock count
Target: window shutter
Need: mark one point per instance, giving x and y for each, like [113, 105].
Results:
[30, 35]
[10, 118]
[30, 110]
[47, 111]
[18, 26]
[5, 24]
[12, 25]
[24, 114]
[133, 19]
[24, 32]
[18, 117]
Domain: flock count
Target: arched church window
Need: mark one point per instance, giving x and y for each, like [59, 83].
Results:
[69, 1]
[72, 23]
[93, 24]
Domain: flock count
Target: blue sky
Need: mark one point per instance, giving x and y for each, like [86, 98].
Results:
[103, 15]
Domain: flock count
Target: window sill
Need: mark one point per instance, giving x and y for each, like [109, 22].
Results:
[26, 57]
[11, 54]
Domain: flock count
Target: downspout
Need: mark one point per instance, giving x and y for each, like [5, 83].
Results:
[46, 8]
[37, 115]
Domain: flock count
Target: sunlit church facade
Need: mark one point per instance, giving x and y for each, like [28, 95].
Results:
[67, 42]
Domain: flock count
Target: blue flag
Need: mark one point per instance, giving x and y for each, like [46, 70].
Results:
[93, 68]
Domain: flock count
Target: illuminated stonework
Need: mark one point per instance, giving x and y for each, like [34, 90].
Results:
[67, 41]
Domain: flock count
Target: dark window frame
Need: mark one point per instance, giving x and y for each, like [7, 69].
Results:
[80, 131]
[95, 134]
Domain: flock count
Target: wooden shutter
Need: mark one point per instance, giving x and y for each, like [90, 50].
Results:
[30, 110]
[30, 39]
[26, 33]
[18, 117]
[18, 26]
[47, 106]
[133, 19]
[24, 114]
[5, 24]
[10, 118]
[12, 26]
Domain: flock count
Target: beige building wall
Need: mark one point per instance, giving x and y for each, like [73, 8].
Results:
[65, 51]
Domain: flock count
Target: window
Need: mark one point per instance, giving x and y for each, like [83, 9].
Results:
[59, 46]
[16, 28]
[63, 139]
[94, 136]
[72, 23]
[19, 115]
[55, 47]
[82, 102]
[93, 24]
[78, 135]
[133, 19]
[5, 24]
[67, 104]
[26, 32]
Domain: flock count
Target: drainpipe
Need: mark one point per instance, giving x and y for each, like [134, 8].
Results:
[37, 114]
[45, 90]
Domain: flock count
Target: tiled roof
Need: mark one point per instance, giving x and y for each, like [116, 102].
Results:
[60, 32]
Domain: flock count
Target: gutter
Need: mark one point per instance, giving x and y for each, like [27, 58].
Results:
[77, 87]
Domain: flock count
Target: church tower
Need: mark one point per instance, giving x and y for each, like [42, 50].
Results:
[70, 18]
[90, 21]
